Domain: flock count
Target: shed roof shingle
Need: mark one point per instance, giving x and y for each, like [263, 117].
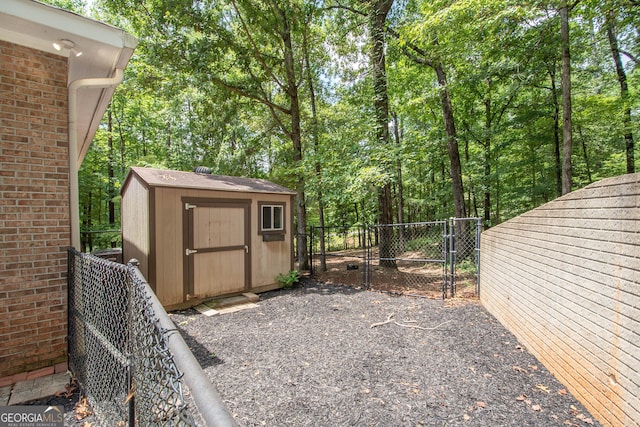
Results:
[179, 179]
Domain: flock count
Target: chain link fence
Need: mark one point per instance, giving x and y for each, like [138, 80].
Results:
[464, 255]
[331, 246]
[411, 255]
[436, 257]
[117, 350]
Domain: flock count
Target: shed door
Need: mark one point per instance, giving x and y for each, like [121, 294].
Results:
[217, 249]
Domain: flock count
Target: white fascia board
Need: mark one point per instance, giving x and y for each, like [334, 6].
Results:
[63, 20]
[52, 20]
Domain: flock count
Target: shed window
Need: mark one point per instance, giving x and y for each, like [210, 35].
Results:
[272, 218]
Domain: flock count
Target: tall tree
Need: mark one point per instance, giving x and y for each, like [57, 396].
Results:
[610, 25]
[378, 11]
[567, 124]
[249, 49]
[314, 132]
[420, 56]
[208, 84]
[111, 193]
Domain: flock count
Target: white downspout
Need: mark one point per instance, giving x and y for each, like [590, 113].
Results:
[74, 192]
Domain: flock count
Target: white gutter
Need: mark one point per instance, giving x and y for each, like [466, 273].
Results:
[74, 191]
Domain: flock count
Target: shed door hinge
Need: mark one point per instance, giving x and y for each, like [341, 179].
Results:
[190, 251]
[188, 206]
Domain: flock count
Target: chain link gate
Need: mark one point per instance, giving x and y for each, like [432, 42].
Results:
[464, 255]
[437, 256]
[337, 245]
[413, 255]
[117, 351]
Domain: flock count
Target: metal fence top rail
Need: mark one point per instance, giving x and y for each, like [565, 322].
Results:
[440, 222]
[441, 261]
[120, 336]
[204, 393]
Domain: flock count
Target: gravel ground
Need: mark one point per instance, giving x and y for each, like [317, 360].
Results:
[313, 356]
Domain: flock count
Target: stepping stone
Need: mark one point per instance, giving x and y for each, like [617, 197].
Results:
[236, 308]
[206, 310]
[228, 304]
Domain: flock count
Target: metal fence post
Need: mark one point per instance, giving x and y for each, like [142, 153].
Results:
[478, 237]
[452, 256]
[365, 257]
[311, 250]
[445, 257]
[131, 397]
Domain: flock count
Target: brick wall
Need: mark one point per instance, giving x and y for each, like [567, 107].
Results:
[34, 209]
[565, 279]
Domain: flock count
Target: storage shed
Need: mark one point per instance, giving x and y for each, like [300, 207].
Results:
[199, 236]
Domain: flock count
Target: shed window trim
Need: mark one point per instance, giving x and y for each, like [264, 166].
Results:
[272, 218]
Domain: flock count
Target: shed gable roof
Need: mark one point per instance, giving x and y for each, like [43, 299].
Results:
[178, 179]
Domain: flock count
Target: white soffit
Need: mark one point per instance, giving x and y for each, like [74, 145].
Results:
[104, 49]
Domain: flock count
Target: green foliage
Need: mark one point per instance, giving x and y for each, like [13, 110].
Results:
[467, 266]
[189, 98]
[425, 244]
[287, 280]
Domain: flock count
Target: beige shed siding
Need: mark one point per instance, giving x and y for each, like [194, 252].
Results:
[268, 258]
[169, 250]
[565, 279]
[136, 224]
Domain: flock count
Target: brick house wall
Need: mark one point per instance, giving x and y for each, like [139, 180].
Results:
[34, 208]
[565, 279]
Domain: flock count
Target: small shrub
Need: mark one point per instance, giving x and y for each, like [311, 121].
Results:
[289, 279]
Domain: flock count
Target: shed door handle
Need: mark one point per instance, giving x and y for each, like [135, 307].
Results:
[246, 249]
[190, 251]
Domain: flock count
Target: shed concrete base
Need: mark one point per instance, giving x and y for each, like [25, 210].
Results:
[230, 304]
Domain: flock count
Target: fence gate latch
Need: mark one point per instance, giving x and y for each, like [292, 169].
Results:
[190, 251]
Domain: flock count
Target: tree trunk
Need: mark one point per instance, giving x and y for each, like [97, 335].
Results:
[585, 154]
[624, 91]
[556, 132]
[487, 154]
[296, 139]
[110, 174]
[396, 133]
[452, 143]
[377, 20]
[400, 195]
[567, 133]
[318, 166]
[89, 244]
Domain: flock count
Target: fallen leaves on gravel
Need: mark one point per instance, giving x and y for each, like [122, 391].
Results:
[584, 419]
[83, 410]
[69, 390]
[543, 388]
[580, 416]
